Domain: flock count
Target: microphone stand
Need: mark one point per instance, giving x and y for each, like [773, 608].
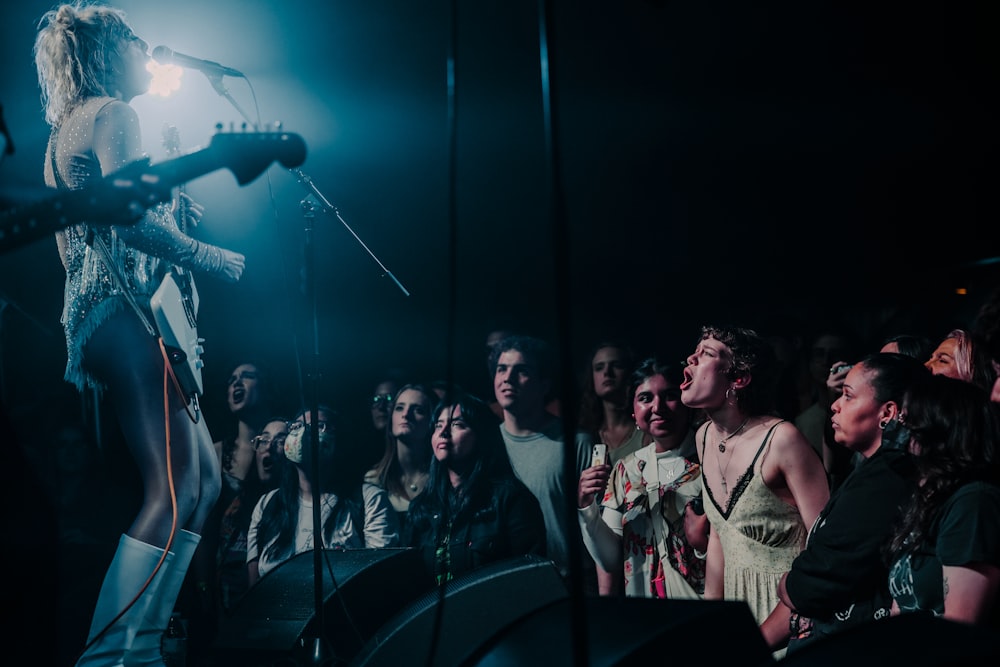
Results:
[313, 202]
[330, 208]
[216, 80]
[320, 652]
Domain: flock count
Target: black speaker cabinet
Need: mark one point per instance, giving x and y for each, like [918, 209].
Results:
[630, 632]
[467, 611]
[275, 623]
[914, 640]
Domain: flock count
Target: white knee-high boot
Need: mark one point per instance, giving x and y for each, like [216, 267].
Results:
[145, 649]
[131, 566]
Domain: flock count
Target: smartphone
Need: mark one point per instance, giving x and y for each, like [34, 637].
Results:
[600, 455]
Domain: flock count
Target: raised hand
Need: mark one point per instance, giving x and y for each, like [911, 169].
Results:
[593, 482]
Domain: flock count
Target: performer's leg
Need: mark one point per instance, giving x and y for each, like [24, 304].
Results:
[129, 361]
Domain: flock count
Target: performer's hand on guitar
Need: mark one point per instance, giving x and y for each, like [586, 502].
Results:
[189, 208]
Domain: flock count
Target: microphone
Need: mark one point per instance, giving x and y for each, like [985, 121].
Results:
[165, 56]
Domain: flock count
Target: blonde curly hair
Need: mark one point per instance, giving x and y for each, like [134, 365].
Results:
[77, 53]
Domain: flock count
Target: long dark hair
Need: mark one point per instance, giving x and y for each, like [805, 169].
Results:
[491, 460]
[592, 407]
[956, 430]
[281, 515]
[255, 416]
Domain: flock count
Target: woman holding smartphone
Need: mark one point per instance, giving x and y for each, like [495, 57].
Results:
[637, 517]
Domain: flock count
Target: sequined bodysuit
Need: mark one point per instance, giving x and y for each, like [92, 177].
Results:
[91, 294]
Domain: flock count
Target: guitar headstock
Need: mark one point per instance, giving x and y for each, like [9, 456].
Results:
[248, 154]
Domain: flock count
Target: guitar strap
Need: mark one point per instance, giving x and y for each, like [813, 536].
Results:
[98, 245]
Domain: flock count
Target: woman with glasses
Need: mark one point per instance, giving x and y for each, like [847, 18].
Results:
[223, 581]
[353, 514]
[405, 465]
[379, 404]
[269, 456]
[248, 397]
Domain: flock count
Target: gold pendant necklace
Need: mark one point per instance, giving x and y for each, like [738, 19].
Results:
[722, 443]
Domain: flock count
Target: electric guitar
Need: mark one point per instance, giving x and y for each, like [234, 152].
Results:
[123, 197]
[175, 302]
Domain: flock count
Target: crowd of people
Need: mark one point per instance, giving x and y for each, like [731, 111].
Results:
[709, 489]
[825, 484]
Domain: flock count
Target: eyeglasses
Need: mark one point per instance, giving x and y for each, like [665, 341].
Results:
[266, 441]
[297, 426]
[378, 399]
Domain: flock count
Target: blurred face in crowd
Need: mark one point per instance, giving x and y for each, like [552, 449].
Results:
[943, 359]
[518, 382]
[609, 370]
[857, 413]
[706, 378]
[411, 416]
[382, 399]
[658, 409]
[243, 387]
[269, 445]
[454, 441]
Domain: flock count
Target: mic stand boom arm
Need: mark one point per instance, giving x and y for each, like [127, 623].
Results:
[307, 182]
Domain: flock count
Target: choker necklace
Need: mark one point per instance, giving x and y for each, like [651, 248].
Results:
[722, 443]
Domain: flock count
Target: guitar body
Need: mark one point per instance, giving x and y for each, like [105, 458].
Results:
[175, 304]
[175, 311]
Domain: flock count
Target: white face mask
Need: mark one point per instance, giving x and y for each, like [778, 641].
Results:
[294, 443]
[293, 446]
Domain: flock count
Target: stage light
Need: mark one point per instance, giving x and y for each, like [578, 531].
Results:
[166, 78]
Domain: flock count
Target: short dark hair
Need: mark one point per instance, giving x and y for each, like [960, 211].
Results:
[535, 349]
[753, 356]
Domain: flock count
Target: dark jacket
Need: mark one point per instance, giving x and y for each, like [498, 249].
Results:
[502, 523]
[840, 578]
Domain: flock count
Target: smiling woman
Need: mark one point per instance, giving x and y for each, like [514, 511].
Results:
[713, 145]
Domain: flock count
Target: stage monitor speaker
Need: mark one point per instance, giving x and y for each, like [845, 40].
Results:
[466, 612]
[914, 640]
[631, 631]
[272, 624]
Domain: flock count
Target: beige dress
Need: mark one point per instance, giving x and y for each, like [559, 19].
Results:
[760, 535]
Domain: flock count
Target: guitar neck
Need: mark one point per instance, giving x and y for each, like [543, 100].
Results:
[122, 197]
[182, 209]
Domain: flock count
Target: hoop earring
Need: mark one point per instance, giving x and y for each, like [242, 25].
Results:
[731, 395]
[882, 424]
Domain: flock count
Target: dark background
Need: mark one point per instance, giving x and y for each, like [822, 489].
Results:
[789, 167]
[781, 167]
